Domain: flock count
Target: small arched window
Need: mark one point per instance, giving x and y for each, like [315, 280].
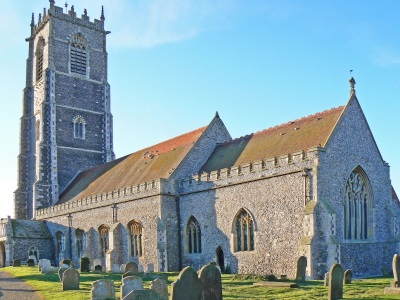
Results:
[358, 205]
[243, 231]
[78, 55]
[79, 242]
[79, 127]
[135, 238]
[103, 239]
[39, 59]
[193, 236]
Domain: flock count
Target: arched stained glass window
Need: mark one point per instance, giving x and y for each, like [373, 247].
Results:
[358, 211]
[135, 238]
[103, 239]
[193, 236]
[78, 55]
[243, 231]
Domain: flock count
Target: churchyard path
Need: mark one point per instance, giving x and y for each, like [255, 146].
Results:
[12, 288]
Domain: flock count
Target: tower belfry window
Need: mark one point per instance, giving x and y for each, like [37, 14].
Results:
[79, 127]
[39, 59]
[78, 55]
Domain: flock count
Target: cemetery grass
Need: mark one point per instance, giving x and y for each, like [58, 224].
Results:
[235, 287]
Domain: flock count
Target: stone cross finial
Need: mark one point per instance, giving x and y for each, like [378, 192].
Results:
[216, 114]
[352, 84]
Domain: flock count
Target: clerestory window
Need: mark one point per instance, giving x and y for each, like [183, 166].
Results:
[193, 236]
[135, 238]
[243, 231]
[358, 207]
[78, 55]
[79, 127]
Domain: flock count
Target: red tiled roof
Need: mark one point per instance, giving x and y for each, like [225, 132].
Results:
[287, 138]
[154, 162]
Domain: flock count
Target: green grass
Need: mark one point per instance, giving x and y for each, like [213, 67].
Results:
[234, 286]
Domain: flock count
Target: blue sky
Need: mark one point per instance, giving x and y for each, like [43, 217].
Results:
[172, 64]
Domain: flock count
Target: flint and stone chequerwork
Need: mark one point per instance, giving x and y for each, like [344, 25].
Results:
[316, 187]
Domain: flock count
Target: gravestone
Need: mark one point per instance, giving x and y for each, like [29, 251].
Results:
[103, 289]
[142, 295]
[160, 287]
[34, 259]
[187, 286]
[347, 276]
[16, 263]
[50, 270]
[326, 279]
[150, 268]
[396, 270]
[131, 267]
[97, 262]
[335, 282]
[44, 265]
[210, 277]
[61, 272]
[66, 261]
[129, 284]
[85, 264]
[70, 280]
[140, 268]
[301, 269]
[31, 262]
[98, 269]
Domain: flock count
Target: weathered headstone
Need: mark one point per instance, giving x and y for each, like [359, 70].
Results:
[160, 287]
[347, 276]
[34, 259]
[103, 289]
[210, 277]
[187, 286]
[98, 269]
[70, 280]
[66, 261]
[16, 263]
[142, 295]
[150, 268]
[326, 279]
[44, 265]
[85, 264]
[97, 262]
[30, 262]
[396, 271]
[335, 282]
[61, 272]
[131, 267]
[301, 269]
[140, 268]
[129, 284]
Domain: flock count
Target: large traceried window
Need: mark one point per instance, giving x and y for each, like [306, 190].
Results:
[79, 233]
[79, 127]
[193, 236]
[39, 59]
[60, 244]
[243, 231]
[103, 239]
[78, 55]
[358, 205]
[135, 238]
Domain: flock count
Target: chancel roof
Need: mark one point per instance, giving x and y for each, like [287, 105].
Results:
[288, 138]
[158, 161]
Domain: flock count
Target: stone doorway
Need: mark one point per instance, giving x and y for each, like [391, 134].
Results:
[220, 258]
[2, 254]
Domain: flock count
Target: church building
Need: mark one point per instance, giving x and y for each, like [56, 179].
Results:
[316, 187]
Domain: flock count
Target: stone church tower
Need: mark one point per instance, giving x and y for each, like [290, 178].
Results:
[66, 126]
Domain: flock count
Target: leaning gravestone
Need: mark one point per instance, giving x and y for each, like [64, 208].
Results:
[160, 287]
[131, 267]
[210, 277]
[70, 280]
[85, 264]
[301, 269]
[335, 282]
[326, 279]
[103, 289]
[98, 269]
[142, 295]
[61, 272]
[187, 286]
[347, 276]
[129, 284]
[16, 263]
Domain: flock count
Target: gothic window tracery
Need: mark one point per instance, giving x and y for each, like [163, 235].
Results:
[103, 239]
[358, 207]
[135, 238]
[39, 59]
[79, 127]
[79, 242]
[243, 231]
[78, 55]
[193, 236]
